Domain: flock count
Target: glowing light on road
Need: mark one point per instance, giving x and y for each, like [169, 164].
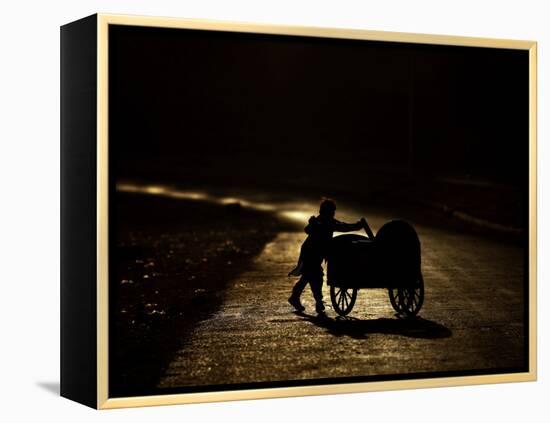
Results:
[187, 195]
[295, 212]
[155, 190]
[297, 215]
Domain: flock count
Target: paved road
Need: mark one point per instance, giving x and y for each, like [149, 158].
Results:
[471, 319]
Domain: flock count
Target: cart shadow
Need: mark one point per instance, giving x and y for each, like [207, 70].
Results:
[416, 327]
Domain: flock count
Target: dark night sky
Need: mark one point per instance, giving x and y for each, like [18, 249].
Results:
[185, 102]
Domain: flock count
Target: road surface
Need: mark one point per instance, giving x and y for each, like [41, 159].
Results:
[472, 319]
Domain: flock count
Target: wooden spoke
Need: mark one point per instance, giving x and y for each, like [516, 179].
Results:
[343, 299]
[408, 300]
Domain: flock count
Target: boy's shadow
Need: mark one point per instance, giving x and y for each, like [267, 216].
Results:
[416, 327]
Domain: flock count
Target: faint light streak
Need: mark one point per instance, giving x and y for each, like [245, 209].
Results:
[128, 188]
[298, 212]
[154, 189]
[187, 195]
[296, 215]
[231, 200]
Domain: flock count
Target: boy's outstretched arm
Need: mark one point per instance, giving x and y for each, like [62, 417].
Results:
[347, 227]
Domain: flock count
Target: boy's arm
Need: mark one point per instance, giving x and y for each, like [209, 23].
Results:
[347, 227]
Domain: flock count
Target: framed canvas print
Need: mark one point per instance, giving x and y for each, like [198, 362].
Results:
[254, 211]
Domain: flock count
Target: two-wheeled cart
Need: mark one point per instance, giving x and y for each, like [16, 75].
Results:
[390, 260]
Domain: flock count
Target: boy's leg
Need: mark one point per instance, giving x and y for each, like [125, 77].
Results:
[299, 287]
[316, 285]
[297, 290]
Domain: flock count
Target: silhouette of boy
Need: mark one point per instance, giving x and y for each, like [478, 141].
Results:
[314, 249]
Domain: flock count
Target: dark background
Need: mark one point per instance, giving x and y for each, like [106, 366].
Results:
[278, 112]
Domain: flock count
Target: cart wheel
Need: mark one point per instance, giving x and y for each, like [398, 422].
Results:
[342, 299]
[408, 300]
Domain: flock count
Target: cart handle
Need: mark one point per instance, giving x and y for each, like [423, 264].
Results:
[367, 229]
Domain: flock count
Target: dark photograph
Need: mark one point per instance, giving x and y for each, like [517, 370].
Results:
[296, 211]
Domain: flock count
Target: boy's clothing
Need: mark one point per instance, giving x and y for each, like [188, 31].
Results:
[314, 250]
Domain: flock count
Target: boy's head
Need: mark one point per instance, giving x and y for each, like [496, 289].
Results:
[327, 208]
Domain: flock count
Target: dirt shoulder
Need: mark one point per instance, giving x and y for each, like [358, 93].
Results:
[171, 259]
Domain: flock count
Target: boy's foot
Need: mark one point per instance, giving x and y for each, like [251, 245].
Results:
[320, 308]
[295, 302]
